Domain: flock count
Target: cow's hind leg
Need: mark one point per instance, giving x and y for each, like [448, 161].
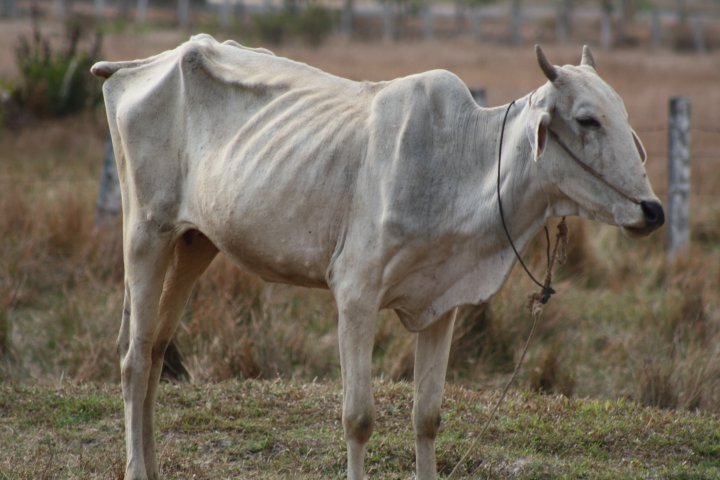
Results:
[192, 254]
[431, 359]
[146, 253]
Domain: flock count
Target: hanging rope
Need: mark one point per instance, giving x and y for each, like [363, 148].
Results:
[535, 304]
[535, 301]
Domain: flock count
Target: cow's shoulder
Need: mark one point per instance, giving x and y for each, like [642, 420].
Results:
[442, 82]
[433, 84]
[435, 91]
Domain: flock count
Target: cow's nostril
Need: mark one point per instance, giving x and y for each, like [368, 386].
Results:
[654, 214]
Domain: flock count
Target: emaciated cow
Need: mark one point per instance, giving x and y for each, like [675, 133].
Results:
[384, 193]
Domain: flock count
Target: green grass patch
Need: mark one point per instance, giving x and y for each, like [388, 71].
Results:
[275, 429]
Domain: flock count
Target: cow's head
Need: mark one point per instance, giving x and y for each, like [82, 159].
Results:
[578, 126]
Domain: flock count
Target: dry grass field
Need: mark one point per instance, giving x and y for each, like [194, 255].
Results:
[625, 325]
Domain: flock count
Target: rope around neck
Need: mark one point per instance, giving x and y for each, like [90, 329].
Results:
[547, 290]
[536, 300]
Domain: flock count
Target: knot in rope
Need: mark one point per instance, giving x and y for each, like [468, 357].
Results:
[559, 254]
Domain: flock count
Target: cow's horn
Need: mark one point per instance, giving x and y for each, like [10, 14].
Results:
[587, 57]
[548, 69]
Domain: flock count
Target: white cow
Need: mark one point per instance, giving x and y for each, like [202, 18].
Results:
[384, 193]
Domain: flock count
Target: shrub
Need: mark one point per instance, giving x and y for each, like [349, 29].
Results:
[55, 83]
[272, 26]
[312, 24]
[315, 24]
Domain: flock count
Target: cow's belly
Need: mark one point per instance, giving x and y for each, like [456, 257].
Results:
[281, 217]
[289, 245]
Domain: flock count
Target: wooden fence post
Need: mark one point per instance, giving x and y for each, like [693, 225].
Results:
[678, 232]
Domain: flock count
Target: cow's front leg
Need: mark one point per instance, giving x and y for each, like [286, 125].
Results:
[431, 359]
[356, 329]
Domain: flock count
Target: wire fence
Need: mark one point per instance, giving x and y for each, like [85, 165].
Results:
[687, 25]
[24, 180]
[664, 128]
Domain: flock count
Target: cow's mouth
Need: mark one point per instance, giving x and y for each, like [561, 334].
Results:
[637, 232]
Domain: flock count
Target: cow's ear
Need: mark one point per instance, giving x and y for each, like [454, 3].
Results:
[537, 130]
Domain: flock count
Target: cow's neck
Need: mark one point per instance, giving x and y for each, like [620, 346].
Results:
[526, 200]
[479, 269]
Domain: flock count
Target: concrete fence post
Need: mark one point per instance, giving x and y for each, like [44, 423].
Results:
[388, 22]
[698, 30]
[225, 13]
[678, 231]
[347, 17]
[656, 28]
[564, 23]
[479, 95]
[606, 30]
[99, 9]
[428, 21]
[8, 9]
[141, 11]
[59, 8]
[516, 22]
[475, 21]
[183, 13]
[108, 202]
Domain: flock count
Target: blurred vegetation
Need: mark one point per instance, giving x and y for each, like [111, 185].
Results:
[312, 24]
[54, 79]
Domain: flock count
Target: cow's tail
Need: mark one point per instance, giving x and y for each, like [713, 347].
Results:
[106, 69]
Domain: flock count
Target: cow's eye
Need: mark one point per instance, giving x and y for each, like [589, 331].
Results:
[588, 122]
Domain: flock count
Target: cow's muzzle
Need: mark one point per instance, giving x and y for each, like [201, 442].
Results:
[654, 217]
